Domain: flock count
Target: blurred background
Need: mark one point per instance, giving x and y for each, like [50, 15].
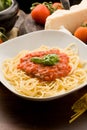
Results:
[26, 4]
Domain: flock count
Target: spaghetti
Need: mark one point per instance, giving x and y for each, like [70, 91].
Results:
[79, 107]
[34, 87]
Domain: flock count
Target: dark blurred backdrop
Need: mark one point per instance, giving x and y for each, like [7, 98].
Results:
[26, 4]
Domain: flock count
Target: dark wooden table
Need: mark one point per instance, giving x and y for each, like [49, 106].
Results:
[17, 113]
[20, 114]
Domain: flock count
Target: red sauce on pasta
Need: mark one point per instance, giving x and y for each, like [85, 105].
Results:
[48, 73]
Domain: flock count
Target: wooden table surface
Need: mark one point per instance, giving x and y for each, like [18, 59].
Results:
[17, 113]
[20, 114]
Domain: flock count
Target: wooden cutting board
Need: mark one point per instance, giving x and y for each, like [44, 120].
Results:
[24, 24]
[29, 25]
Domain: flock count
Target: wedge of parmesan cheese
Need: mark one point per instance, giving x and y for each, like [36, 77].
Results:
[70, 19]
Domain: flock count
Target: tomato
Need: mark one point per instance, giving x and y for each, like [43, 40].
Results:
[1, 41]
[57, 5]
[81, 33]
[40, 13]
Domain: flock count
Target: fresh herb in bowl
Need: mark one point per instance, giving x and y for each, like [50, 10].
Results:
[4, 4]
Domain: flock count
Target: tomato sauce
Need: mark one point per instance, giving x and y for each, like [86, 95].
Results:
[44, 72]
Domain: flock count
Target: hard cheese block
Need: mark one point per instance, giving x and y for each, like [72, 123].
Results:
[70, 19]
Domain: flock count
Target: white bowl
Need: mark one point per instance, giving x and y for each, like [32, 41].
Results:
[35, 40]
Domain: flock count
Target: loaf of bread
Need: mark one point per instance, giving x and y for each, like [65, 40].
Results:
[70, 19]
